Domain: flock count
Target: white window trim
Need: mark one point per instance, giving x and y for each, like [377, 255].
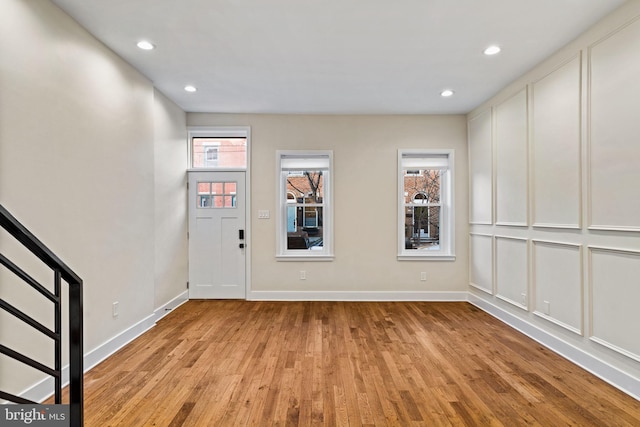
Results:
[447, 238]
[282, 254]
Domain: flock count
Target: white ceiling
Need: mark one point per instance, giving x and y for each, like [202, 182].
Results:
[334, 56]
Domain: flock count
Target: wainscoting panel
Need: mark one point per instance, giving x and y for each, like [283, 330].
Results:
[511, 160]
[512, 271]
[480, 169]
[615, 292]
[614, 154]
[556, 148]
[481, 262]
[558, 284]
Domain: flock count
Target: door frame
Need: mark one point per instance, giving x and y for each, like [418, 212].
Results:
[222, 132]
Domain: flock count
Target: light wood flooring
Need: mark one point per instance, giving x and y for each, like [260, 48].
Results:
[237, 363]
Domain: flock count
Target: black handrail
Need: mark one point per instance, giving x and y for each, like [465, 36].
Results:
[61, 272]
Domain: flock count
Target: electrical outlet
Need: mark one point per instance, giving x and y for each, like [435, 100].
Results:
[524, 298]
[115, 309]
[547, 308]
[303, 275]
[423, 276]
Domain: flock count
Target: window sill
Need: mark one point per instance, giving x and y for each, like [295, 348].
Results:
[433, 257]
[312, 258]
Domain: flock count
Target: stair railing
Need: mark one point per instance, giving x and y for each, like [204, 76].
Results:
[60, 273]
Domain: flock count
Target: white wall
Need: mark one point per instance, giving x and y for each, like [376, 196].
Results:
[559, 250]
[365, 200]
[170, 159]
[80, 168]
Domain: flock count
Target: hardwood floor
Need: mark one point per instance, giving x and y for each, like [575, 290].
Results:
[236, 363]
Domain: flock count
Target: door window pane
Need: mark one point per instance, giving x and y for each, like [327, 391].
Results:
[217, 188]
[230, 188]
[216, 195]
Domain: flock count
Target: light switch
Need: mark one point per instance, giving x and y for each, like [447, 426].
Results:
[263, 214]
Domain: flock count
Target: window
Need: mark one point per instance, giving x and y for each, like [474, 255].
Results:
[216, 195]
[304, 199]
[211, 155]
[425, 204]
[218, 148]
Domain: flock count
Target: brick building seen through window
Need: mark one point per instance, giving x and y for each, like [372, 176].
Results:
[218, 153]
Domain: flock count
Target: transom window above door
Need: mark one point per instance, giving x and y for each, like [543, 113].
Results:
[218, 153]
[218, 148]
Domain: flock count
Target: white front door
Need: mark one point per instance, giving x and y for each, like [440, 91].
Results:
[217, 235]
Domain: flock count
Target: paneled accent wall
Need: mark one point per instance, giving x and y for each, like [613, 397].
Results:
[557, 283]
[511, 270]
[614, 153]
[480, 162]
[554, 243]
[481, 266]
[511, 160]
[615, 292]
[556, 147]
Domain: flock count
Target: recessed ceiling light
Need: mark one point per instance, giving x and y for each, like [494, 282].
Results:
[190, 88]
[492, 50]
[145, 45]
[446, 93]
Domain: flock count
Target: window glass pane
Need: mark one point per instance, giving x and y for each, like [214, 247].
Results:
[423, 187]
[217, 188]
[304, 228]
[216, 195]
[204, 187]
[229, 188]
[307, 187]
[422, 227]
[218, 152]
[204, 201]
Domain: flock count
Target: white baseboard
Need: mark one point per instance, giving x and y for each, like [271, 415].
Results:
[356, 296]
[166, 308]
[100, 353]
[601, 369]
[42, 390]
